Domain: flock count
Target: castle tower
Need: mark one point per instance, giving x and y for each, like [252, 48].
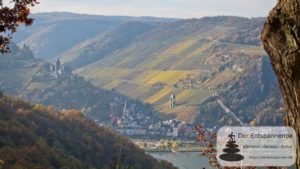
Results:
[172, 101]
[57, 65]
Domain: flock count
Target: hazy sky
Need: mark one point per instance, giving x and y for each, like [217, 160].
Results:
[160, 8]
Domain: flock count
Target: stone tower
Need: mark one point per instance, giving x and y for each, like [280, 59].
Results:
[57, 65]
[172, 101]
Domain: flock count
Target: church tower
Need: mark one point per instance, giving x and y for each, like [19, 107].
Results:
[172, 101]
[125, 111]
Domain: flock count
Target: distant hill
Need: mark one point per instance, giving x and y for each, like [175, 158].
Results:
[94, 49]
[192, 58]
[32, 79]
[53, 33]
[252, 96]
[36, 137]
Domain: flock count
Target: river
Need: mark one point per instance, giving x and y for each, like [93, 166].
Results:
[184, 160]
[188, 160]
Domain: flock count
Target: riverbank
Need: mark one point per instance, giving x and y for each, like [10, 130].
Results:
[164, 145]
[183, 160]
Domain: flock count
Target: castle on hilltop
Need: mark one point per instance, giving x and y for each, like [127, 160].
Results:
[59, 69]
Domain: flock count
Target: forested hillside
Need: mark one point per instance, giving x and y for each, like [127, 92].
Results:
[253, 97]
[37, 137]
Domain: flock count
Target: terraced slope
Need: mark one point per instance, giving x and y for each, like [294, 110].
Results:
[32, 79]
[96, 48]
[191, 58]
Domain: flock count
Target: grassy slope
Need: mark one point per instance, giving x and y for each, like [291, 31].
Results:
[150, 68]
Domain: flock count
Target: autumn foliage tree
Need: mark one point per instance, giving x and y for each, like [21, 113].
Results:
[12, 14]
[209, 139]
[31, 137]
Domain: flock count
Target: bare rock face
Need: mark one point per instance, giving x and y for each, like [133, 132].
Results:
[281, 39]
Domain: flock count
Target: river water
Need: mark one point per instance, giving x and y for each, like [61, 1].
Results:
[187, 160]
[183, 160]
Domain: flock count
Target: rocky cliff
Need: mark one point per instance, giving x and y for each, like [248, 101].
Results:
[281, 39]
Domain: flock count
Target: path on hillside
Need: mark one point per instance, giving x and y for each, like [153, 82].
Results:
[228, 111]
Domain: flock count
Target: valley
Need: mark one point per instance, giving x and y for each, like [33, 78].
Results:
[197, 61]
[148, 84]
[149, 59]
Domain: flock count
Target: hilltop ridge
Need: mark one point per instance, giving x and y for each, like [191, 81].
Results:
[191, 58]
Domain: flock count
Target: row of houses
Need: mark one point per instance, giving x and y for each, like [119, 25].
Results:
[163, 132]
